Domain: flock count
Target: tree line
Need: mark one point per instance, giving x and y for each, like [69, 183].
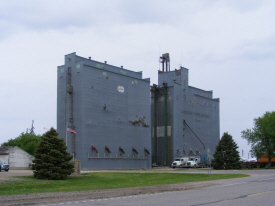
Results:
[261, 137]
[25, 141]
[52, 161]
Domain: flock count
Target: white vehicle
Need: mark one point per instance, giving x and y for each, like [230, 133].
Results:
[180, 162]
[193, 162]
[4, 166]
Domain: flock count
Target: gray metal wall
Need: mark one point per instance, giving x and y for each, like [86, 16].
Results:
[105, 98]
[194, 106]
[160, 118]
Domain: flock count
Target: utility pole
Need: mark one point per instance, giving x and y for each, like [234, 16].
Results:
[32, 128]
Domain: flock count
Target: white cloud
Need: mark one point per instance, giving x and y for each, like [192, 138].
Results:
[228, 47]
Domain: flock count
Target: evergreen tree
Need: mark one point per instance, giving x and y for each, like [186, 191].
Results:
[52, 161]
[226, 155]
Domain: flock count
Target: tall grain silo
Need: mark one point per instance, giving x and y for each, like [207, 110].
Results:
[185, 119]
[108, 108]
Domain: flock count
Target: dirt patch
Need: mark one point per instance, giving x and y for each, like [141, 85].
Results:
[46, 198]
[11, 173]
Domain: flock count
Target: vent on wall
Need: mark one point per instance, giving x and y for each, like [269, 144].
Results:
[121, 150]
[107, 149]
[146, 150]
[134, 150]
[94, 149]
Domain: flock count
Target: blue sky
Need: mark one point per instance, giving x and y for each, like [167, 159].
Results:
[228, 47]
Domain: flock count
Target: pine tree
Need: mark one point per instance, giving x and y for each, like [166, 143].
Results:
[227, 154]
[52, 161]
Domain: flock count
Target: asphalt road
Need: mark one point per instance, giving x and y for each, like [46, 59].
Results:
[258, 189]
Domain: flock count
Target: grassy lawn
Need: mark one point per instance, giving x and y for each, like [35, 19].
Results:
[96, 181]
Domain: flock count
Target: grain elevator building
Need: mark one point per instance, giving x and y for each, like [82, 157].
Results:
[185, 118]
[109, 109]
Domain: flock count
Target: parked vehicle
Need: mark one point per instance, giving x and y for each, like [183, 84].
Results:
[193, 162]
[4, 166]
[262, 161]
[31, 165]
[180, 162]
[205, 160]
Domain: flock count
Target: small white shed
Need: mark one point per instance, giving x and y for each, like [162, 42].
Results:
[15, 157]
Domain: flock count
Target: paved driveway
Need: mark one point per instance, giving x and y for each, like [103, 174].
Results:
[4, 175]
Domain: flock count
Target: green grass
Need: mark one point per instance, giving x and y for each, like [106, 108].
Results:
[97, 181]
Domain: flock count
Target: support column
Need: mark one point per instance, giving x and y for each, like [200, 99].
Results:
[165, 124]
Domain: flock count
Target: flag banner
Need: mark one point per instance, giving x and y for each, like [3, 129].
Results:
[71, 130]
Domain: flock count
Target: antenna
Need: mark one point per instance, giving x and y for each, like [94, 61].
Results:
[32, 128]
[180, 55]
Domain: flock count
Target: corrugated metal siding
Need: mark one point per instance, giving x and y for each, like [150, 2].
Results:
[125, 98]
[197, 107]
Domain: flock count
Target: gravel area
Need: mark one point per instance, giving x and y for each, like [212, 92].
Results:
[11, 173]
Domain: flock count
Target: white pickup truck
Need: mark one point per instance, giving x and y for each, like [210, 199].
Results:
[180, 162]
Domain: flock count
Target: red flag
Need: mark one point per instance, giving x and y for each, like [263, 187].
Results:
[71, 130]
